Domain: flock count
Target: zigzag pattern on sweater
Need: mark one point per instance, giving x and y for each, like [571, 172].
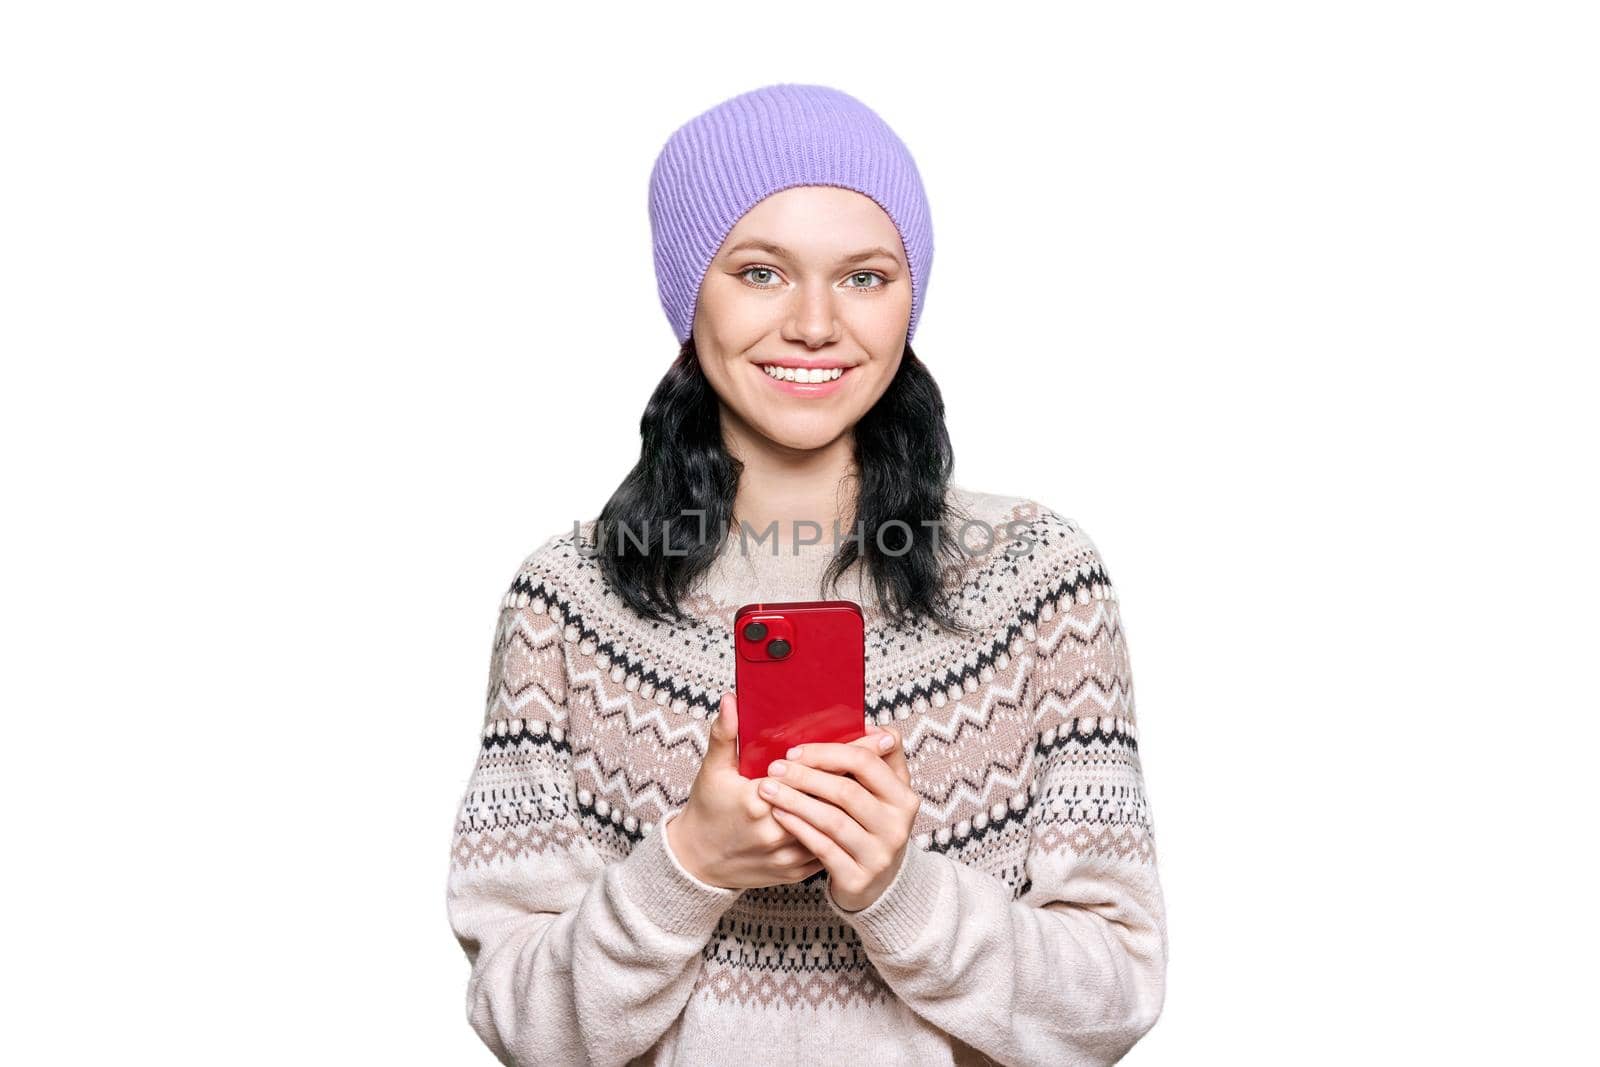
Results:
[543, 596]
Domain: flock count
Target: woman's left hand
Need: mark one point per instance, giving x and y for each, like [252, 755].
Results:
[851, 806]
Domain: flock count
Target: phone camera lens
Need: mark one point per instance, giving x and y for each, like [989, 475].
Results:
[778, 648]
[755, 631]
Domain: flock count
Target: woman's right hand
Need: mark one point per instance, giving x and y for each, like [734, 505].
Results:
[726, 835]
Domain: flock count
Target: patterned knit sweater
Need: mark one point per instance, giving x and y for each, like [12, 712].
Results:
[1025, 925]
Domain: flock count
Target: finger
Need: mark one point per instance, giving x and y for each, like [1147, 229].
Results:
[846, 794]
[868, 740]
[788, 838]
[838, 862]
[809, 869]
[795, 855]
[870, 743]
[896, 757]
[834, 822]
[866, 767]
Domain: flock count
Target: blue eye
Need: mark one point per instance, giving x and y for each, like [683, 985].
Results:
[763, 270]
[882, 281]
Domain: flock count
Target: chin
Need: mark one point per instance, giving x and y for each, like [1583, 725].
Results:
[803, 434]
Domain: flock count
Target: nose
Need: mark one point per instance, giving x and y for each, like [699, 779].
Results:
[811, 316]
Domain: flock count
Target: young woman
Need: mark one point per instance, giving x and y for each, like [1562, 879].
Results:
[972, 882]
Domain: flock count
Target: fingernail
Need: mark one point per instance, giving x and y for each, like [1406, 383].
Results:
[768, 789]
[794, 753]
[886, 742]
[777, 768]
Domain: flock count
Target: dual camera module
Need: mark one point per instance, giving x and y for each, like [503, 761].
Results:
[777, 648]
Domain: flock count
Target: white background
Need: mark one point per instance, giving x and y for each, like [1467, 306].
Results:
[317, 317]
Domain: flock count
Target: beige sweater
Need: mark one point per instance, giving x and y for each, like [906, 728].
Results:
[1025, 926]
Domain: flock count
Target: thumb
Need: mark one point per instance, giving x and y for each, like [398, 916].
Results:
[723, 746]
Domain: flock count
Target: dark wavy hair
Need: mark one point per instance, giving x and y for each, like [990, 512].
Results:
[903, 462]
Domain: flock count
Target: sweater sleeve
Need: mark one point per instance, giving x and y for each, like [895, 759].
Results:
[576, 957]
[1072, 971]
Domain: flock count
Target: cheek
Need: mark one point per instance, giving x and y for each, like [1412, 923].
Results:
[731, 318]
[881, 326]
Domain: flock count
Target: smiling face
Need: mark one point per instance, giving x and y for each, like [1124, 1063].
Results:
[802, 316]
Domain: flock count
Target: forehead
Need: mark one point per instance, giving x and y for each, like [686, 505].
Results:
[820, 221]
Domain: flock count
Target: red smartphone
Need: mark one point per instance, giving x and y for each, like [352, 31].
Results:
[800, 676]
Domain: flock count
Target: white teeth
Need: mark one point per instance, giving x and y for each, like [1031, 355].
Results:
[802, 375]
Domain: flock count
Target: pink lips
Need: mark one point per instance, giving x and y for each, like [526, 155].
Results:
[810, 389]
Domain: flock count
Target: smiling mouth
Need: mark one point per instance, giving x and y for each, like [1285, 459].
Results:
[803, 375]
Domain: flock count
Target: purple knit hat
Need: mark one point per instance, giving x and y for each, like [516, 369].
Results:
[721, 163]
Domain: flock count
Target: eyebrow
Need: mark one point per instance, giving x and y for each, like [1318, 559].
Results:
[779, 250]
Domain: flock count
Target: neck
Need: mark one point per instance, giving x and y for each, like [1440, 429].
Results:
[785, 490]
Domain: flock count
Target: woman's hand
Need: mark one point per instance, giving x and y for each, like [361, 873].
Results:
[725, 835]
[852, 807]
